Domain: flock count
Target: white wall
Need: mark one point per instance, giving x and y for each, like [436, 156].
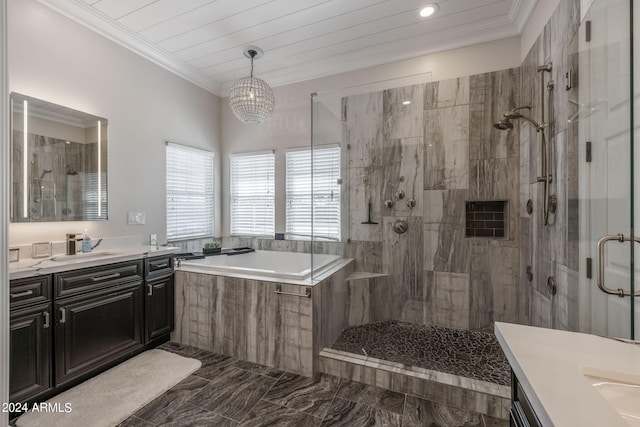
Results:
[290, 124]
[53, 58]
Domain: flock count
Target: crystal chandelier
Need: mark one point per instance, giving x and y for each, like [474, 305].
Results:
[250, 98]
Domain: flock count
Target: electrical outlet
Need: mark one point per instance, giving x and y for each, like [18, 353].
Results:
[136, 218]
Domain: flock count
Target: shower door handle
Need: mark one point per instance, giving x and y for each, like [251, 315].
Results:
[601, 244]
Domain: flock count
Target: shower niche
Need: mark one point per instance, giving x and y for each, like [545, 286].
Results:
[59, 163]
[486, 218]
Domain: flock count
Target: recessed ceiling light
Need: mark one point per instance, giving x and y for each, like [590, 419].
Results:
[406, 102]
[428, 10]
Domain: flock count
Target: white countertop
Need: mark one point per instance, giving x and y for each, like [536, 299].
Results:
[549, 363]
[31, 267]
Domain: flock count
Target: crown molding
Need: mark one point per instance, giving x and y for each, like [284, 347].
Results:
[506, 25]
[520, 12]
[95, 20]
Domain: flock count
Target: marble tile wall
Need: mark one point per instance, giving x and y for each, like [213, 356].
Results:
[369, 296]
[441, 150]
[550, 250]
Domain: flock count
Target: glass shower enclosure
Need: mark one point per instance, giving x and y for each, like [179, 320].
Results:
[609, 289]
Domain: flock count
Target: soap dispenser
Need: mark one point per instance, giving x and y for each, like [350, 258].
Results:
[86, 242]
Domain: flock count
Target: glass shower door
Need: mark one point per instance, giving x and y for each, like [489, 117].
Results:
[606, 171]
[328, 197]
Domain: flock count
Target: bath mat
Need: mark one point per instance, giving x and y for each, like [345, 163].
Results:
[109, 398]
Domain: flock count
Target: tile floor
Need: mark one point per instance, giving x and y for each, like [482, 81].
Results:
[228, 392]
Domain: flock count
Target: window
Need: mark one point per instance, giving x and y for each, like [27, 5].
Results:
[252, 194]
[189, 192]
[90, 197]
[326, 193]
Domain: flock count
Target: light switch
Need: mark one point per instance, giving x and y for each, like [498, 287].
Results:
[136, 218]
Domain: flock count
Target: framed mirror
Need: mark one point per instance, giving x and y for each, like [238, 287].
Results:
[59, 163]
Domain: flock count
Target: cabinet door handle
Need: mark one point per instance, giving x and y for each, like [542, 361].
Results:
[46, 320]
[107, 277]
[63, 315]
[150, 292]
[22, 294]
[163, 265]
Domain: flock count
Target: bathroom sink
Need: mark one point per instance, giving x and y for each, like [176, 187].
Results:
[621, 390]
[83, 256]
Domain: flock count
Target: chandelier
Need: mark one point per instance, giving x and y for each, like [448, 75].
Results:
[250, 98]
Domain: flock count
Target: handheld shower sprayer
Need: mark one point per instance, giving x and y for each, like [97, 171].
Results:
[505, 123]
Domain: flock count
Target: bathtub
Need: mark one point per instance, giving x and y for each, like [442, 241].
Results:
[266, 265]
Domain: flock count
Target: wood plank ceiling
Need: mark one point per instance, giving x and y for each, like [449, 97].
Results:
[203, 40]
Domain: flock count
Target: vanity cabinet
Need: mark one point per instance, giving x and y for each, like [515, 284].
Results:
[67, 326]
[30, 338]
[99, 318]
[159, 288]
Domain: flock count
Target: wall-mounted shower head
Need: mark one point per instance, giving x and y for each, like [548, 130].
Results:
[71, 171]
[506, 124]
[44, 172]
[503, 124]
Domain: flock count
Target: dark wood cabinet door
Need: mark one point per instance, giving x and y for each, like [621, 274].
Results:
[95, 329]
[30, 357]
[159, 307]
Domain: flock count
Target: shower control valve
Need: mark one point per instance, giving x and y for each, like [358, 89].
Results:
[400, 226]
[411, 203]
[388, 203]
[399, 195]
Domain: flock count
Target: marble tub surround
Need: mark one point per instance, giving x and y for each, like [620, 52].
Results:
[246, 319]
[323, 400]
[543, 358]
[110, 250]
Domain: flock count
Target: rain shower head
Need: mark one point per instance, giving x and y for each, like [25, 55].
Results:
[71, 171]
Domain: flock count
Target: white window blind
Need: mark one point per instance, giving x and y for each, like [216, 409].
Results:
[189, 192]
[253, 194]
[90, 197]
[324, 221]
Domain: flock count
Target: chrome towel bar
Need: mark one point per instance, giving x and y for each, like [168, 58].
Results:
[307, 292]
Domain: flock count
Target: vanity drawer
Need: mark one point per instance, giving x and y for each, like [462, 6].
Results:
[29, 290]
[88, 279]
[157, 266]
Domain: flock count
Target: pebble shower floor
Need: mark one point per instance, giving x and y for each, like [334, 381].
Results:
[471, 354]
